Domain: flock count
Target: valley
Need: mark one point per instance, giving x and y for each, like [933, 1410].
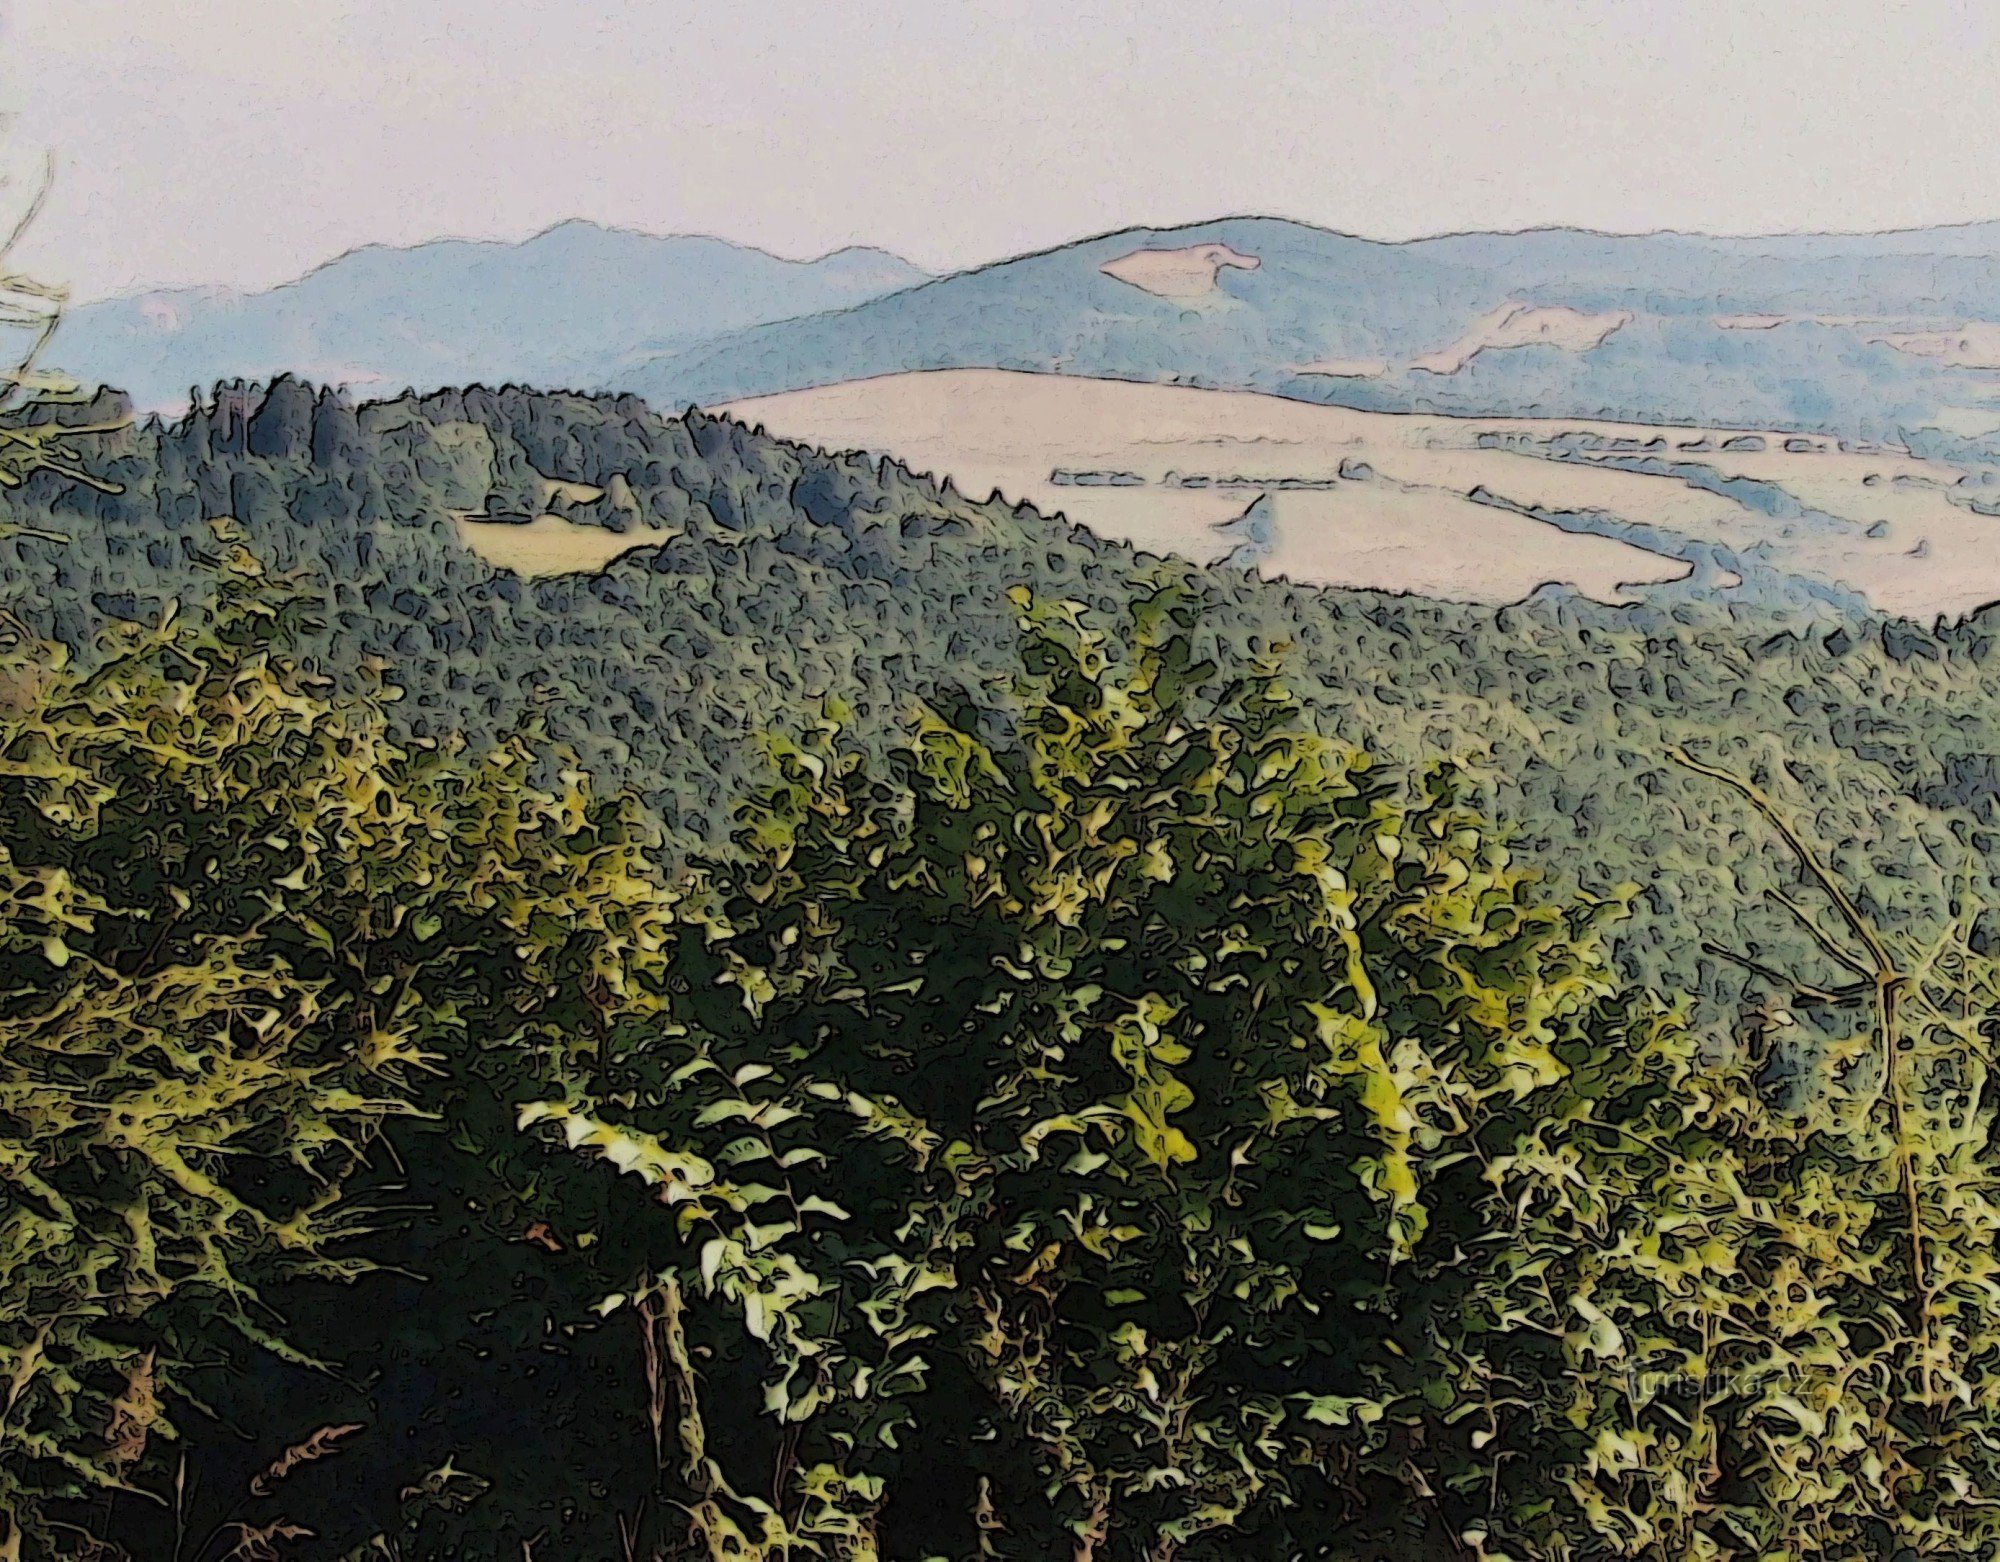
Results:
[1465, 509]
[1033, 784]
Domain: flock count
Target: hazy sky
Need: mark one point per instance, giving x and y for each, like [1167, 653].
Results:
[242, 141]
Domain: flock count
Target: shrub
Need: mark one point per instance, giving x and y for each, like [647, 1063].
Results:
[1051, 1119]
[238, 926]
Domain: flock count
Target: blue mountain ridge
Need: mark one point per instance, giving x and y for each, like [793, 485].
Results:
[699, 320]
[1317, 295]
[562, 307]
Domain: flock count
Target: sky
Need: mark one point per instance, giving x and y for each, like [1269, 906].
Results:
[240, 142]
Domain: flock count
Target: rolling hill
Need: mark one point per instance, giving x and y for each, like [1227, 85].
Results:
[1868, 336]
[755, 591]
[1880, 336]
[566, 306]
[1466, 509]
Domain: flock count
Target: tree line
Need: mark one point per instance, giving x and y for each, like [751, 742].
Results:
[881, 1025]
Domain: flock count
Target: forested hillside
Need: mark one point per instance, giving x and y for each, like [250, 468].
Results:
[883, 1026]
[770, 585]
[1860, 335]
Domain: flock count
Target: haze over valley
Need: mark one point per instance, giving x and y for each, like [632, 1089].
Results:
[1110, 780]
[1781, 419]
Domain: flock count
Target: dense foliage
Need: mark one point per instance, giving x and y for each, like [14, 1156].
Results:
[803, 576]
[1172, 1136]
[1106, 1058]
[1044, 1116]
[240, 926]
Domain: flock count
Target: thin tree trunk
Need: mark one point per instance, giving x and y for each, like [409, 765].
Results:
[673, 1346]
[1888, 989]
[648, 1311]
[1097, 1528]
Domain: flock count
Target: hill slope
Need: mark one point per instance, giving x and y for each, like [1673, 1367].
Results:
[1862, 336]
[766, 582]
[563, 306]
[768, 585]
[1471, 509]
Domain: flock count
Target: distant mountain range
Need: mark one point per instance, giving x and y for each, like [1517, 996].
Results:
[1862, 336]
[565, 307]
[1891, 335]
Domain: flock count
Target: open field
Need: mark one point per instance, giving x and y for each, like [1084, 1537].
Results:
[1177, 273]
[1163, 467]
[547, 545]
[1476, 509]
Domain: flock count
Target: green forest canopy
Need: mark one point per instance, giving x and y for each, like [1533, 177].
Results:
[1048, 1061]
[808, 578]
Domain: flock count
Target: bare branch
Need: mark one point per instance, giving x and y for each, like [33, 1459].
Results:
[1821, 937]
[1882, 966]
[27, 218]
[1828, 995]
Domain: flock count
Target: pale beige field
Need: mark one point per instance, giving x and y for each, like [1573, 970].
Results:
[1405, 519]
[1178, 273]
[1409, 526]
[1521, 325]
[548, 545]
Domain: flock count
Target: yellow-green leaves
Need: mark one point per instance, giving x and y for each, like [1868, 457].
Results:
[1147, 1052]
[1128, 1062]
[239, 928]
[677, 1175]
[1386, 1090]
